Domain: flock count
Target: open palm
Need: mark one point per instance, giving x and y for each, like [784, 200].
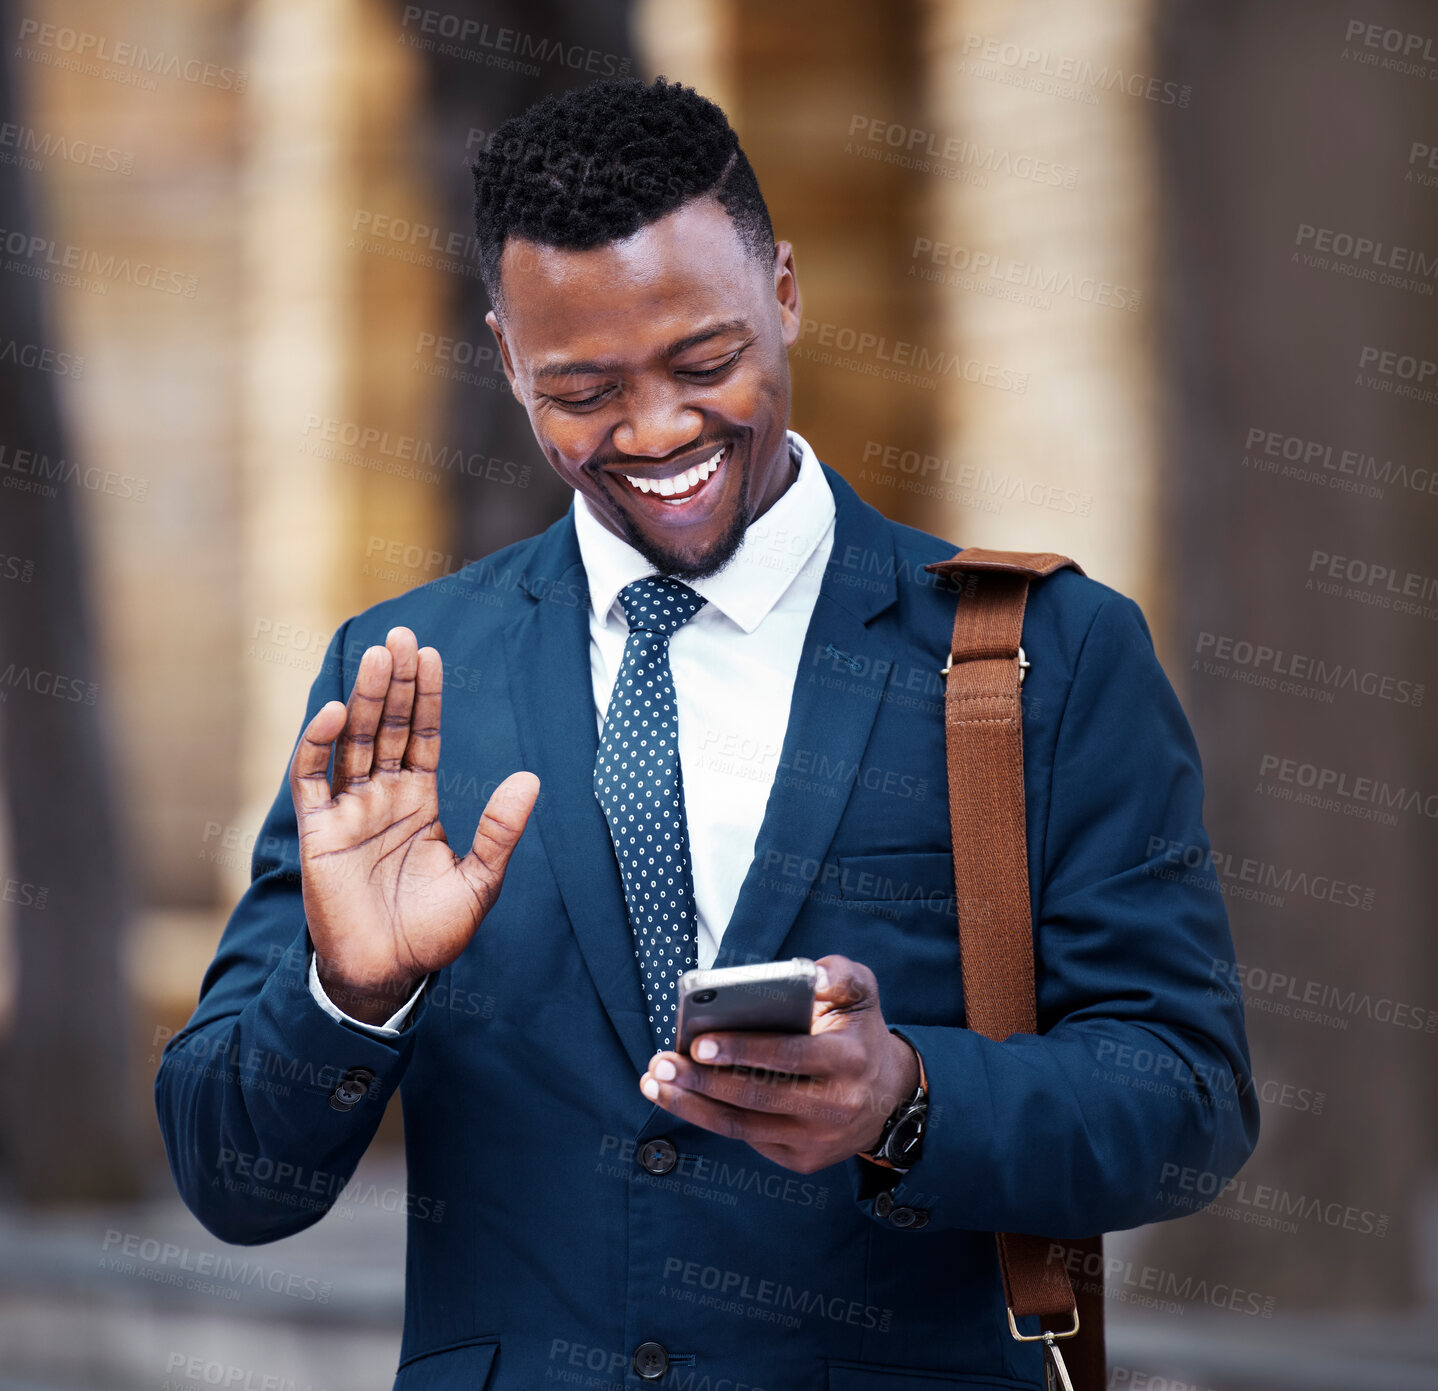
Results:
[386, 899]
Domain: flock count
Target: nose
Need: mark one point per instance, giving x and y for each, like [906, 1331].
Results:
[656, 423]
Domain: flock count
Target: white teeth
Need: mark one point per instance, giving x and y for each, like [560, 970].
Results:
[680, 483]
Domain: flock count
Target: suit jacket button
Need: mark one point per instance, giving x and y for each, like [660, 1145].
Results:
[352, 1088]
[903, 1216]
[651, 1361]
[883, 1204]
[658, 1157]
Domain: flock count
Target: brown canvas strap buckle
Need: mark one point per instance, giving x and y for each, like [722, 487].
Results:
[1023, 665]
[1048, 1335]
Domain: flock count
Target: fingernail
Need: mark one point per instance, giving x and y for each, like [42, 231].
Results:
[821, 978]
[664, 1070]
[706, 1049]
[649, 1087]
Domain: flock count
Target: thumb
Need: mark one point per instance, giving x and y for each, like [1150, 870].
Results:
[500, 826]
[842, 983]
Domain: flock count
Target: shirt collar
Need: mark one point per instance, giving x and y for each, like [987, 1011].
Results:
[775, 548]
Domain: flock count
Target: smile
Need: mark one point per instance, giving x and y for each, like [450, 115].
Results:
[682, 486]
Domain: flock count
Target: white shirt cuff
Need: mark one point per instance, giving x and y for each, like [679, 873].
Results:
[391, 1026]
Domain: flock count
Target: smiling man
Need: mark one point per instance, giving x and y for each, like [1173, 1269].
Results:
[717, 678]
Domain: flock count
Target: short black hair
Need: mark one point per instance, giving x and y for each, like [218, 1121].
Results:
[599, 162]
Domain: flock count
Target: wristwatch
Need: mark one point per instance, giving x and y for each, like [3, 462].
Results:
[902, 1136]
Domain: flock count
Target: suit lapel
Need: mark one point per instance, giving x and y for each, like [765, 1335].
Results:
[547, 651]
[836, 697]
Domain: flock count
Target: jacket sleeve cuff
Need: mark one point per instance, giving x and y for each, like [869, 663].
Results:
[391, 1028]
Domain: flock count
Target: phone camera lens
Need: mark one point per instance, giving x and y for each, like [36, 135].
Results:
[704, 997]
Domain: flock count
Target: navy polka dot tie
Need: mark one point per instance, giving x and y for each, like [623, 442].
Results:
[638, 784]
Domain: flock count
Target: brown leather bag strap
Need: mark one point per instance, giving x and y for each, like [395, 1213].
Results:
[986, 788]
[984, 738]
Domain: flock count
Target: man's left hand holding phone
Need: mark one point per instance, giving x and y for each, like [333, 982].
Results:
[804, 1100]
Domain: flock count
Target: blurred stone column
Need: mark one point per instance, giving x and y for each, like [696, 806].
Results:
[1290, 444]
[330, 318]
[299, 320]
[67, 883]
[1036, 260]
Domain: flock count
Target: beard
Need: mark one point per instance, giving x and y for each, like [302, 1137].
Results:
[684, 567]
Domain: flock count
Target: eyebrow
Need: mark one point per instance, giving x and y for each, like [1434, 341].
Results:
[598, 367]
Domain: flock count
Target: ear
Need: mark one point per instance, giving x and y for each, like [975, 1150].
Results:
[496, 328]
[786, 292]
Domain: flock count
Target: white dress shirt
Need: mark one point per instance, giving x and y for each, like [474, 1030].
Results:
[734, 663]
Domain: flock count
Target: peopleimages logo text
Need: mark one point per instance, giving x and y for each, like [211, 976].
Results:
[1339, 783]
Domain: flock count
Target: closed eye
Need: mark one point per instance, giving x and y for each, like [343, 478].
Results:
[580, 402]
[705, 373]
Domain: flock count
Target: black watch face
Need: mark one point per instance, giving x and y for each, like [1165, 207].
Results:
[904, 1142]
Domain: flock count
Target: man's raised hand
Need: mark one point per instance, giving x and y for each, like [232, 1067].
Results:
[386, 899]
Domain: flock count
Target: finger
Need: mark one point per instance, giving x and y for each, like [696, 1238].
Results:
[422, 752]
[802, 1055]
[754, 1089]
[393, 736]
[310, 765]
[500, 827]
[366, 702]
[753, 1127]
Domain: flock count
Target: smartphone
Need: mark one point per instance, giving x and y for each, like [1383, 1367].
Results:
[774, 997]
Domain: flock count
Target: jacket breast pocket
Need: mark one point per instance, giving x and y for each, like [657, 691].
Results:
[924, 877]
[458, 1367]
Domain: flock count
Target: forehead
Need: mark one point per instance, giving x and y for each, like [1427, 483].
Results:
[627, 296]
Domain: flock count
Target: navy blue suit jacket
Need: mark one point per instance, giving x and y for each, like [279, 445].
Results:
[541, 1247]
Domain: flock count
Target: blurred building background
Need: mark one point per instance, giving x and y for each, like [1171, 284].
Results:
[1148, 283]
